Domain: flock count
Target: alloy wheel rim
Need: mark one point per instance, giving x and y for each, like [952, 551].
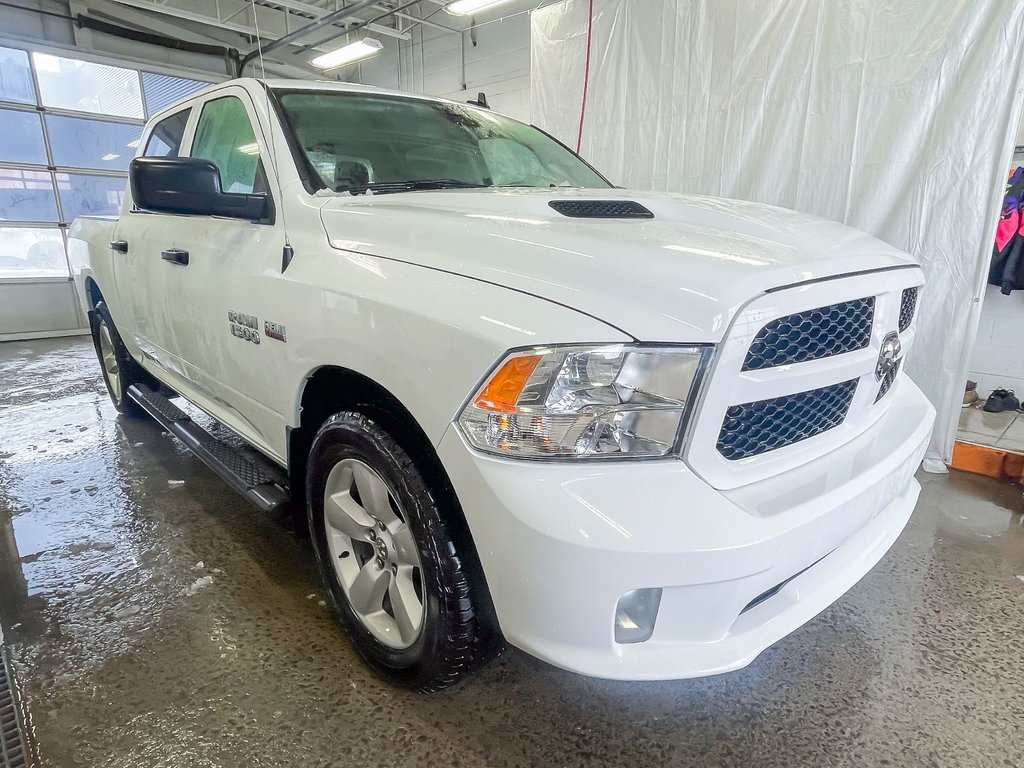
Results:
[373, 553]
[109, 361]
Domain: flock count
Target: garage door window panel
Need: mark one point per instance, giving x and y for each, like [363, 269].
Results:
[225, 137]
[22, 134]
[84, 194]
[27, 196]
[86, 143]
[85, 86]
[16, 77]
[32, 252]
[163, 90]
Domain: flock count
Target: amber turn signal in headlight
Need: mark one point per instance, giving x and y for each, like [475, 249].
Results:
[572, 402]
[503, 390]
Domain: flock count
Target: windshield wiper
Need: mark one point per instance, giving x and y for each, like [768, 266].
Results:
[380, 187]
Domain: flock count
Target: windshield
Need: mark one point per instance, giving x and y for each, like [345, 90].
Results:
[359, 141]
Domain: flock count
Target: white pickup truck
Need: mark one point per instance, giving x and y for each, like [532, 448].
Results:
[637, 435]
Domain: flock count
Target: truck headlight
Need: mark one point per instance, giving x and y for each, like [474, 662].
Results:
[574, 402]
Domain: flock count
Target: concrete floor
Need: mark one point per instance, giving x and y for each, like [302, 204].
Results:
[125, 658]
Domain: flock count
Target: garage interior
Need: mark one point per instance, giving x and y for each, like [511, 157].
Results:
[149, 616]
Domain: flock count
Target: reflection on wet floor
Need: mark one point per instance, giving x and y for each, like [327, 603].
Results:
[159, 625]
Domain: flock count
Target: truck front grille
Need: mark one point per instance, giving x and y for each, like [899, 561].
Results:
[812, 335]
[908, 303]
[751, 429]
[796, 375]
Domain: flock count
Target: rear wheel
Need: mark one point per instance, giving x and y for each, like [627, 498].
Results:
[394, 573]
[120, 371]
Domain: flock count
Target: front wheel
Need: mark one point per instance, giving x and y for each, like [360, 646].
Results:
[120, 371]
[393, 572]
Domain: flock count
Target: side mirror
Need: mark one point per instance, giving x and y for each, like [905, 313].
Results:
[190, 185]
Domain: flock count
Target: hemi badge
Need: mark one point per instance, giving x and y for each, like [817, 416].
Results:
[275, 331]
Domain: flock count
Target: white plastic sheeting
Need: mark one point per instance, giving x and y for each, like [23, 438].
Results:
[894, 116]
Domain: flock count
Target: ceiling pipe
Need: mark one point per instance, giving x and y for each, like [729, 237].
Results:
[330, 18]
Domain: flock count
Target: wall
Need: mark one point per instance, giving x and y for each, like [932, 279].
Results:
[497, 62]
[997, 359]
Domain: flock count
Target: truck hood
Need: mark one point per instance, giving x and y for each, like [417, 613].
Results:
[677, 277]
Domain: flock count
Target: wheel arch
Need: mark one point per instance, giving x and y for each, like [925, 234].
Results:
[330, 389]
[92, 292]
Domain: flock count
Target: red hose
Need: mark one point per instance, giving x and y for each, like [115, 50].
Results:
[586, 75]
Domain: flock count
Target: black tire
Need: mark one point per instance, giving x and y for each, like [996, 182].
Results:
[448, 645]
[127, 370]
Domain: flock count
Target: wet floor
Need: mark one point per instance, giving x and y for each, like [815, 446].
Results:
[156, 624]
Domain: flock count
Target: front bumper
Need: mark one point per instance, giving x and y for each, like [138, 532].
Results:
[560, 543]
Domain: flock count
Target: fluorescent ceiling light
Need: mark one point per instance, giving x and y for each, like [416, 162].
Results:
[469, 7]
[348, 54]
[250, 149]
[110, 156]
[133, 144]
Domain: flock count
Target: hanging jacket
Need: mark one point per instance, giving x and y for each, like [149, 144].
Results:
[1007, 270]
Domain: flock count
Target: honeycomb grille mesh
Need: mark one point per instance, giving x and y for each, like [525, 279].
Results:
[752, 429]
[888, 381]
[601, 209]
[812, 335]
[908, 305]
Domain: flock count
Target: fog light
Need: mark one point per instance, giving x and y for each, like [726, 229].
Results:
[635, 615]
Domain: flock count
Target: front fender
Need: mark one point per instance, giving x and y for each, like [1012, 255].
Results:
[424, 335]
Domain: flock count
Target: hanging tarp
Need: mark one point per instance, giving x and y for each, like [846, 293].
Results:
[894, 116]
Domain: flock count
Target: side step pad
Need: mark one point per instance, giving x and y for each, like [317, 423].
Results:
[260, 486]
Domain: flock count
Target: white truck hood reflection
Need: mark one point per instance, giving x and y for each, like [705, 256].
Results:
[680, 276]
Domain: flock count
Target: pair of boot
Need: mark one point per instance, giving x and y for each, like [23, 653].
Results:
[1000, 401]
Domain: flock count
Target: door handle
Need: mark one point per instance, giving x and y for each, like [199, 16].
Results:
[121, 246]
[175, 256]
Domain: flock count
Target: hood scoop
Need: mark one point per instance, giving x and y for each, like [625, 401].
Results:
[601, 209]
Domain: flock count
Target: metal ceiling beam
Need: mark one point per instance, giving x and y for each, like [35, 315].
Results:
[415, 20]
[291, 37]
[181, 13]
[167, 9]
[359, 24]
[118, 13]
[317, 12]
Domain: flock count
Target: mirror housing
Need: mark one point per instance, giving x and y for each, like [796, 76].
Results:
[190, 186]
